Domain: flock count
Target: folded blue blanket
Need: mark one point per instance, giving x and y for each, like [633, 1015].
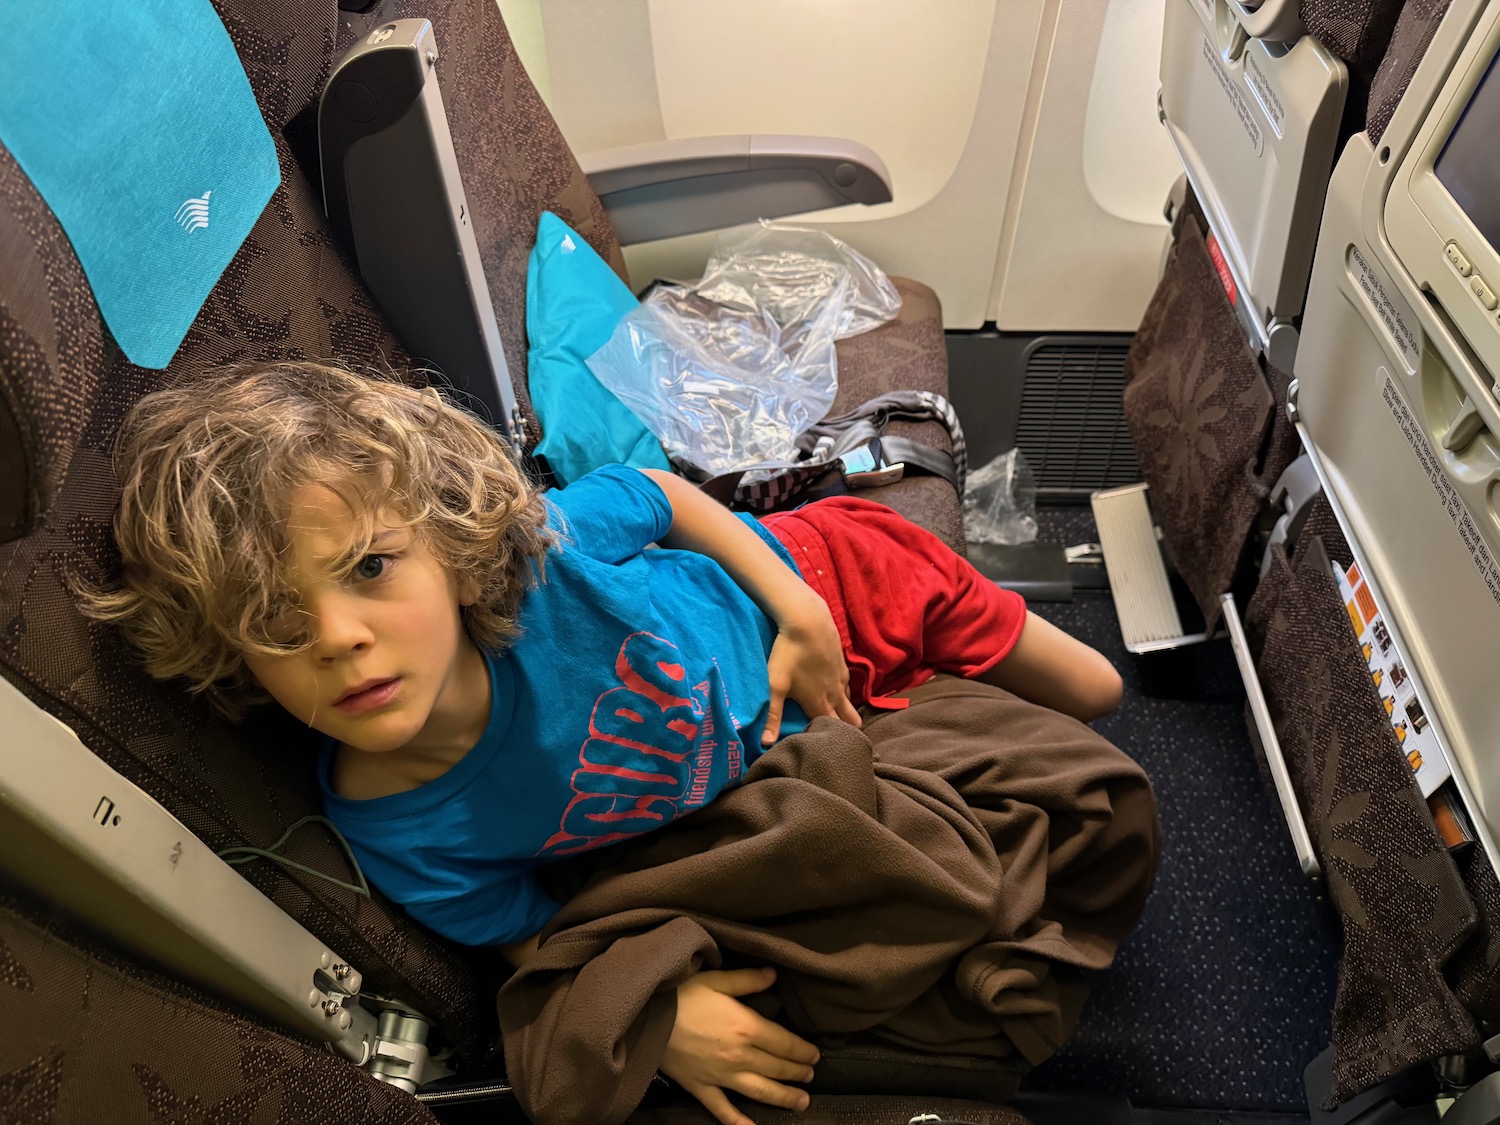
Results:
[136, 123]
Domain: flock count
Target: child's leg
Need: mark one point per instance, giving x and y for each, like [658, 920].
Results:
[1049, 667]
[907, 604]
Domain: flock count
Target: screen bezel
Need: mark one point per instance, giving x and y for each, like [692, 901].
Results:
[1491, 71]
[1422, 216]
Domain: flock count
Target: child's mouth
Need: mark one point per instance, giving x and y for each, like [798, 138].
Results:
[367, 699]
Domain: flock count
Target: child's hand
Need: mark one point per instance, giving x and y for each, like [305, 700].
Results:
[807, 663]
[718, 1044]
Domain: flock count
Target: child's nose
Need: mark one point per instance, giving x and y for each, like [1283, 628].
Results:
[341, 629]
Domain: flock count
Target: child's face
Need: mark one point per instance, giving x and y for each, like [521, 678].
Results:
[390, 666]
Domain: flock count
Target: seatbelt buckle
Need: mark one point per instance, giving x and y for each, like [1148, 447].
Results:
[866, 466]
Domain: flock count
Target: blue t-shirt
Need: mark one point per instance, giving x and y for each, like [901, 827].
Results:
[636, 693]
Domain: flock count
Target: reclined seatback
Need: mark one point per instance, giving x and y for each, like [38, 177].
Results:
[290, 292]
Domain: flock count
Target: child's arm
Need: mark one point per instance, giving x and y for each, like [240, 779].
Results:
[807, 660]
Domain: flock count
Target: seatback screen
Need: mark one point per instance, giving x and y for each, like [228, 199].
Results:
[1469, 165]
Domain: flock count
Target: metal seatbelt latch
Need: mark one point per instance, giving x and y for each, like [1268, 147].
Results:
[866, 466]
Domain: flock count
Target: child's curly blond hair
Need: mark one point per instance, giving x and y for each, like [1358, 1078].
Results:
[208, 470]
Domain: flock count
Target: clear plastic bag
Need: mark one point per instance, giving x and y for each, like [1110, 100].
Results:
[790, 271]
[729, 373]
[1000, 501]
[722, 388]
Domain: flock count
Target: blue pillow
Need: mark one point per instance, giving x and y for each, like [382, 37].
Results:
[573, 302]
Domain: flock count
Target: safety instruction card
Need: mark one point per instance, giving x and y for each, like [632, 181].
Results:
[1398, 695]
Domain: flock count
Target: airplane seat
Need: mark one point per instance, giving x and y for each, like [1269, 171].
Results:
[66, 385]
[86, 1026]
[1256, 99]
[1394, 406]
[291, 292]
[1379, 759]
[1254, 106]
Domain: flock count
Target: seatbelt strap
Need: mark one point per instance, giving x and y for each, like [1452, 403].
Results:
[855, 445]
[926, 458]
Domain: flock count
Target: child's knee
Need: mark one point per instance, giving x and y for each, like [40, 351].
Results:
[1102, 690]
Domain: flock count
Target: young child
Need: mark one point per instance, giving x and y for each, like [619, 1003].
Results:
[503, 676]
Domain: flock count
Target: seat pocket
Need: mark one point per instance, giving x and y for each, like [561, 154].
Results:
[1199, 410]
[1403, 905]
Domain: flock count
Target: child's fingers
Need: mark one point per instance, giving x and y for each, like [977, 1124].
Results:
[778, 1068]
[738, 982]
[762, 1089]
[847, 712]
[718, 1104]
[773, 717]
[776, 1040]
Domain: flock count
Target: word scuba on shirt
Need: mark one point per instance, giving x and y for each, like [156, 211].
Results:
[643, 762]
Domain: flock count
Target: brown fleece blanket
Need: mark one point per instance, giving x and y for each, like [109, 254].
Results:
[936, 879]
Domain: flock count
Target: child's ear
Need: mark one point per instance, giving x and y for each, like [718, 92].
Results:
[468, 591]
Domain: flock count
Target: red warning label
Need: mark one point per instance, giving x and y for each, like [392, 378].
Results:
[1225, 277]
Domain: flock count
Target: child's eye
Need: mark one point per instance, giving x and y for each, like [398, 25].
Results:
[371, 566]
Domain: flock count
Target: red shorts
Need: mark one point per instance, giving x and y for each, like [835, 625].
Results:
[906, 605]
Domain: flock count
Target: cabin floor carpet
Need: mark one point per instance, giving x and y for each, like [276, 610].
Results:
[1223, 993]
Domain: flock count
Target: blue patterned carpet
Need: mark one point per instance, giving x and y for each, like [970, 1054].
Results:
[1222, 995]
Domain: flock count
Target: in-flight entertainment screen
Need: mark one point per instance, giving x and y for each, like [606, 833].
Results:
[1469, 165]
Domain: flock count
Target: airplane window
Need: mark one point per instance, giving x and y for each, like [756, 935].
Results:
[836, 68]
[1128, 162]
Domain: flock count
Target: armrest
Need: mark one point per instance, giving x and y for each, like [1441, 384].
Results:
[667, 188]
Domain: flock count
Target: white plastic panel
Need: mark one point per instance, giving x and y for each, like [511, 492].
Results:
[1373, 376]
[105, 852]
[970, 113]
[723, 66]
[1255, 124]
[950, 242]
[1128, 162]
[1078, 255]
[601, 75]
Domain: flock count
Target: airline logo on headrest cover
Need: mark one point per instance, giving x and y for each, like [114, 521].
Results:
[193, 214]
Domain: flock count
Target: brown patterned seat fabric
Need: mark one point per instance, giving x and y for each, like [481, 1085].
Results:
[289, 292]
[1205, 420]
[907, 354]
[1357, 31]
[93, 1037]
[1406, 912]
[1409, 42]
